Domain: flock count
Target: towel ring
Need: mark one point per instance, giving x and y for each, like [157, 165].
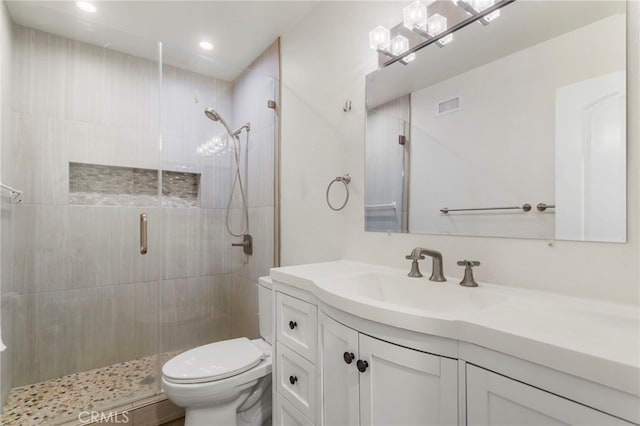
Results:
[346, 179]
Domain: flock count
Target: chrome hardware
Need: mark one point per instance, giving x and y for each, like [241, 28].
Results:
[293, 380]
[348, 357]
[362, 365]
[292, 324]
[468, 280]
[437, 273]
[346, 180]
[246, 244]
[143, 233]
[391, 205]
[14, 193]
[525, 208]
[542, 206]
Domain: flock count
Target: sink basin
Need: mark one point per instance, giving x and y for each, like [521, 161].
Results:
[413, 293]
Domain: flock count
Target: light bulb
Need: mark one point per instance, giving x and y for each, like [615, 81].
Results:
[399, 45]
[86, 6]
[410, 57]
[379, 38]
[480, 5]
[415, 16]
[437, 24]
[205, 45]
[493, 15]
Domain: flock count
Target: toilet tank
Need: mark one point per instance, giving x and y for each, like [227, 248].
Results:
[265, 308]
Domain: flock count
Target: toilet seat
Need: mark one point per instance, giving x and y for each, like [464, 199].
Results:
[213, 362]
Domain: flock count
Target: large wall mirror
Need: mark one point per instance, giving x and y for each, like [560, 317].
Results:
[513, 129]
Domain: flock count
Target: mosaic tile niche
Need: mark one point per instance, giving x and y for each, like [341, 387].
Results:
[99, 185]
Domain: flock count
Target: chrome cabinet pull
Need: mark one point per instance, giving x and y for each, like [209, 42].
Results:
[143, 233]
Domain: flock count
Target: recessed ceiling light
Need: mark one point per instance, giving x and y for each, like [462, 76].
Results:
[206, 45]
[86, 6]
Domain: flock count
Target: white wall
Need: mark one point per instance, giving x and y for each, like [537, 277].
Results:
[324, 61]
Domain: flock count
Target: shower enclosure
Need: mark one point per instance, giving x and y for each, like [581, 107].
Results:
[106, 136]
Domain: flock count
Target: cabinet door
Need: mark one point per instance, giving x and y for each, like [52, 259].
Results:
[339, 379]
[406, 387]
[493, 399]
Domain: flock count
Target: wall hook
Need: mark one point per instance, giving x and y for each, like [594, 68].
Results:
[347, 106]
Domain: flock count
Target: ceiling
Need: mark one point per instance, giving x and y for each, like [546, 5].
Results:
[239, 30]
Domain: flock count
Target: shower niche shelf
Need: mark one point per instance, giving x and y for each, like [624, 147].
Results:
[100, 185]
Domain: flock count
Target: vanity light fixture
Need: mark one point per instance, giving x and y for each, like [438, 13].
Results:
[86, 6]
[399, 45]
[433, 25]
[414, 16]
[476, 6]
[205, 45]
[379, 38]
[437, 24]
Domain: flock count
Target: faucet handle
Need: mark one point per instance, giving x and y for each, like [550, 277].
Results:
[468, 263]
[468, 280]
[412, 257]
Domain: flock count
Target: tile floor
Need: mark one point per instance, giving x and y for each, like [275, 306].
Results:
[61, 400]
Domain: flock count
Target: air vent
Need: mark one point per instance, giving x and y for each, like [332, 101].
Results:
[450, 105]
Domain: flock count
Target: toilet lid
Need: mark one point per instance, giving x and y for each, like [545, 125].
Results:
[214, 361]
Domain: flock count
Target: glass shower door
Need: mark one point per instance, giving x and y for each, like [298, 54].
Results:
[83, 332]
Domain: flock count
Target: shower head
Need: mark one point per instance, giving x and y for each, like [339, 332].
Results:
[212, 114]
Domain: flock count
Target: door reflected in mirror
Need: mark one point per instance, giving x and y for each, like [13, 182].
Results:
[515, 129]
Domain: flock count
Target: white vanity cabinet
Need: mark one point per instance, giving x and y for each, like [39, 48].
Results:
[367, 381]
[342, 362]
[493, 399]
[295, 373]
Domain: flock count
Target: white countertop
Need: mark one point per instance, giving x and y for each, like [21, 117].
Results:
[594, 340]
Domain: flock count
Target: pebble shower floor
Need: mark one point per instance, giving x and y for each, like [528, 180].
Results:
[61, 400]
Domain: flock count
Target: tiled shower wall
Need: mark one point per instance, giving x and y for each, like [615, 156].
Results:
[251, 91]
[7, 174]
[84, 296]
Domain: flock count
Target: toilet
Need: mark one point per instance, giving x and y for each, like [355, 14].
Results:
[226, 383]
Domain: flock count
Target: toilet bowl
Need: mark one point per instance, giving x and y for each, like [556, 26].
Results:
[226, 383]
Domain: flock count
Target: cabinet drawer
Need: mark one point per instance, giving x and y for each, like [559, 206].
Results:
[288, 415]
[296, 380]
[297, 323]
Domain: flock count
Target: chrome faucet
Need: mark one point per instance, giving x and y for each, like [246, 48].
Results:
[418, 253]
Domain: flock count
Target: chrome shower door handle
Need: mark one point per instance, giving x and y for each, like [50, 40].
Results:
[143, 233]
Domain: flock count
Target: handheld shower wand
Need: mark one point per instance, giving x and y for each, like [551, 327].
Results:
[212, 114]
